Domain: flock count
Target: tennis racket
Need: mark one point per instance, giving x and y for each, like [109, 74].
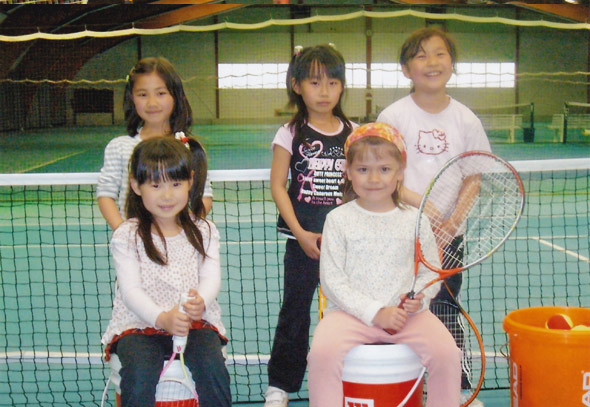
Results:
[469, 340]
[471, 206]
[177, 388]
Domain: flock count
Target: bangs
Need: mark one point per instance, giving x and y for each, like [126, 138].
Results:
[316, 64]
[413, 45]
[373, 146]
[318, 69]
[162, 166]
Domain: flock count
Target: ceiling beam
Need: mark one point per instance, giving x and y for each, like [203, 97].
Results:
[181, 2]
[424, 2]
[185, 14]
[573, 12]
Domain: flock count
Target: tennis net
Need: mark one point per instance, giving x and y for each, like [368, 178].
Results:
[508, 123]
[57, 280]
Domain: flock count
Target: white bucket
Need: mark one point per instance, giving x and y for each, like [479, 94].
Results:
[382, 375]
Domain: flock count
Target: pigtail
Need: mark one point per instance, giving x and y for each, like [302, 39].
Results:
[300, 117]
[199, 166]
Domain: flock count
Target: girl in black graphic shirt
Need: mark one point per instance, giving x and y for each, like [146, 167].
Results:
[311, 148]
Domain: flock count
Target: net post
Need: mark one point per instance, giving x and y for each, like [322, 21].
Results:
[529, 132]
[565, 117]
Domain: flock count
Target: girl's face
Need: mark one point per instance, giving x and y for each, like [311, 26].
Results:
[164, 200]
[431, 68]
[375, 175]
[319, 92]
[153, 101]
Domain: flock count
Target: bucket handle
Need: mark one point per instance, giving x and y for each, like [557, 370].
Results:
[505, 351]
[413, 389]
[104, 393]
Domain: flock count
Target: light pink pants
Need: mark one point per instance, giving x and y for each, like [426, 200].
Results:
[338, 332]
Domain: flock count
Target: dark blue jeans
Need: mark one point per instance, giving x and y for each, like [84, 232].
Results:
[288, 358]
[142, 358]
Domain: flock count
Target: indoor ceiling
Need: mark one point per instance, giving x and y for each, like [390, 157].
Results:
[101, 15]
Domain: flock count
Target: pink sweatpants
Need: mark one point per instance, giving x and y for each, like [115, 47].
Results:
[338, 332]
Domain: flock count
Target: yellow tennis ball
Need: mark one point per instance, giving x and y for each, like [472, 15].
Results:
[581, 328]
[559, 321]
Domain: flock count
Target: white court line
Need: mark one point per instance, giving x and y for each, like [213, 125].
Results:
[68, 245]
[562, 249]
[43, 164]
[97, 358]
[79, 358]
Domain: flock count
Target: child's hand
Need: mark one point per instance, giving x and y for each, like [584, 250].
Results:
[392, 318]
[174, 322]
[195, 306]
[412, 305]
[449, 227]
[309, 242]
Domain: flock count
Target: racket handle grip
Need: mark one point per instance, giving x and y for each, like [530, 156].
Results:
[179, 342]
[400, 305]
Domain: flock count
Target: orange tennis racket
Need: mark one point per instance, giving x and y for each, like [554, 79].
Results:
[471, 206]
[468, 338]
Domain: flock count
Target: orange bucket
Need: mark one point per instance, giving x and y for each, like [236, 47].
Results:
[548, 367]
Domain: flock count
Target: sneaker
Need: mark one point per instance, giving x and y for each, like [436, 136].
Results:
[475, 403]
[276, 397]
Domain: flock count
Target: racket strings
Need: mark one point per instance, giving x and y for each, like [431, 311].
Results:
[478, 197]
[465, 337]
[176, 388]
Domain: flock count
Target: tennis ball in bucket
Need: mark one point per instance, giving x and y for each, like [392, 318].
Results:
[559, 321]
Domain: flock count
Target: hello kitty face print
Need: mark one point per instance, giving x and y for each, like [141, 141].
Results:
[433, 142]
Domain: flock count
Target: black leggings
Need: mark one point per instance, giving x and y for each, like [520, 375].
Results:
[288, 358]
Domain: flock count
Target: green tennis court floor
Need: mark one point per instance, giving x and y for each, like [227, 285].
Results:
[490, 398]
[229, 146]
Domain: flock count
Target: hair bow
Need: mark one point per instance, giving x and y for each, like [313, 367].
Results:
[182, 138]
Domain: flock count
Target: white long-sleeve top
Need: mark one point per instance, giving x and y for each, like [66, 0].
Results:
[367, 259]
[145, 289]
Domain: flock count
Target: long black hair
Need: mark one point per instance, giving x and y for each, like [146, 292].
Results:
[312, 62]
[155, 160]
[181, 118]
